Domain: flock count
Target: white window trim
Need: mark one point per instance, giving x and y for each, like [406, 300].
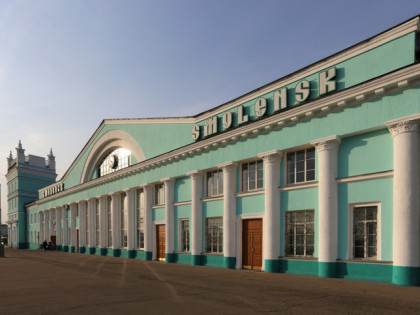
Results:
[378, 231]
[205, 183]
[283, 252]
[240, 188]
[284, 158]
[137, 218]
[155, 202]
[180, 235]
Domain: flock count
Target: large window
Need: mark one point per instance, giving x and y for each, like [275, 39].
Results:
[365, 221]
[185, 235]
[300, 233]
[252, 175]
[214, 235]
[116, 160]
[214, 183]
[301, 166]
[124, 220]
[140, 208]
[109, 221]
[97, 224]
[159, 194]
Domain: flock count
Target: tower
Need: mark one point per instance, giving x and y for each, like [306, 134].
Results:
[26, 174]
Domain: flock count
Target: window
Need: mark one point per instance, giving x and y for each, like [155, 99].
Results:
[252, 175]
[140, 219]
[116, 160]
[214, 183]
[300, 233]
[124, 220]
[185, 235]
[365, 221]
[301, 166]
[97, 237]
[214, 235]
[159, 194]
[109, 221]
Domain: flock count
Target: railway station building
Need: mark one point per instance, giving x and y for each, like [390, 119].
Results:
[315, 173]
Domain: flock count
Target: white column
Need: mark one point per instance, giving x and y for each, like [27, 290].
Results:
[73, 240]
[196, 217]
[271, 222]
[82, 223]
[169, 214]
[115, 224]
[102, 218]
[91, 217]
[406, 200]
[58, 225]
[46, 235]
[148, 228]
[65, 225]
[131, 228]
[229, 214]
[327, 149]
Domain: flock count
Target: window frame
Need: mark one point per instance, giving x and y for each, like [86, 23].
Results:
[241, 175]
[108, 222]
[218, 244]
[219, 185]
[181, 235]
[305, 234]
[350, 237]
[159, 194]
[286, 166]
[140, 231]
[123, 220]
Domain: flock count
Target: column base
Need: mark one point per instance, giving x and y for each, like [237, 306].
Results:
[406, 275]
[72, 249]
[170, 257]
[58, 248]
[103, 251]
[131, 253]
[271, 265]
[196, 260]
[82, 250]
[92, 250]
[116, 252]
[148, 255]
[229, 262]
[327, 269]
[65, 248]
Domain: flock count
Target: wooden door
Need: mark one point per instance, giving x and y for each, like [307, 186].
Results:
[54, 241]
[252, 244]
[160, 242]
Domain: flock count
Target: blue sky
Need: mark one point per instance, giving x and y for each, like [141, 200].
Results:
[67, 65]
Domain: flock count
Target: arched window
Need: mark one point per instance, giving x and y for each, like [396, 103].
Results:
[116, 160]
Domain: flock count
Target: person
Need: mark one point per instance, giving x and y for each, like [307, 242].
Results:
[44, 245]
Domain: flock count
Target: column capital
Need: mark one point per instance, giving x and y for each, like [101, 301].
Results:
[270, 156]
[407, 124]
[195, 175]
[228, 166]
[168, 181]
[327, 143]
[146, 188]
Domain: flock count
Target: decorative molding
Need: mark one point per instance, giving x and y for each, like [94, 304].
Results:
[327, 144]
[260, 191]
[297, 186]
[403, 127]
[182, 203]
[358, 178]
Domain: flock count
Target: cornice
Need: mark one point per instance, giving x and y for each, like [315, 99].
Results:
[396, 81]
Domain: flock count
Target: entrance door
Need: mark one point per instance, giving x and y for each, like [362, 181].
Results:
[252, 244]
[54, 241]
[160, 241]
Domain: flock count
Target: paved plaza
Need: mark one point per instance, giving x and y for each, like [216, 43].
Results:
[35, 282]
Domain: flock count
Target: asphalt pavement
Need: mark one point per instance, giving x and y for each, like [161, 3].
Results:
[38, 282]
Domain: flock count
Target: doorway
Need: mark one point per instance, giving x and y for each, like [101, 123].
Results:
[252, 244]
[160, 242]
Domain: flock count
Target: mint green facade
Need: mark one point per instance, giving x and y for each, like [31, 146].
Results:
[360, 112]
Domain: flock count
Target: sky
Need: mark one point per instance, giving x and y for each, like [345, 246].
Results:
[67, 65]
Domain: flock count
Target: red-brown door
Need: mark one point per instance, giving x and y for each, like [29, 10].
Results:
[252, 244]
[160, 241]
[77, 243]
[53, 240]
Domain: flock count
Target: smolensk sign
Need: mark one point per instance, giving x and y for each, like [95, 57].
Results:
[302, 92]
